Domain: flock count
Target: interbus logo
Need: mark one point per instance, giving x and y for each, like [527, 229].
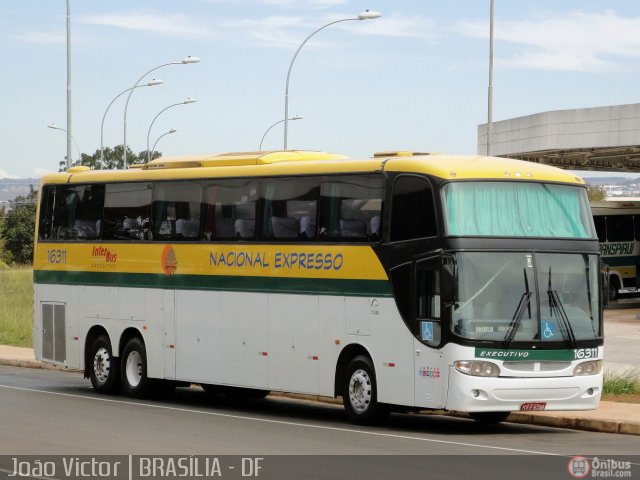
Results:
[169, 260]
[616, 248]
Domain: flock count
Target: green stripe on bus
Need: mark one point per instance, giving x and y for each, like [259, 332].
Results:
[515, 355]
[308, 286]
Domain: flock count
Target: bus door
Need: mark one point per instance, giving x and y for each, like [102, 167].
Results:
[429, 369]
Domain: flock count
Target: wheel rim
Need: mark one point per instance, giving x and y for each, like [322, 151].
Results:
[360, 391]
[133, 369]
[102, 365]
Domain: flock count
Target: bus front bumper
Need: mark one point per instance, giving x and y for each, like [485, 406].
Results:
[501, 394]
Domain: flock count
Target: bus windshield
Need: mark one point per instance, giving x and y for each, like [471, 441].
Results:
[514, 209]
[499, 295]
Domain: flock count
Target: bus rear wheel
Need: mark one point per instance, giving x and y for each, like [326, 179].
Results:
[359, 393]
[488, 418]
[104, 368]
[134, 369]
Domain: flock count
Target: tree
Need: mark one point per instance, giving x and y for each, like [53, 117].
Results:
[596, 193]
[112, 159]
[18, 228]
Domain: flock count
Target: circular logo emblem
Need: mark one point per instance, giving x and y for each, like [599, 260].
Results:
[579, 467]
[169, 260]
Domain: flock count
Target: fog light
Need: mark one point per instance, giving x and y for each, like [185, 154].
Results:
[590, 391]
[475, 393]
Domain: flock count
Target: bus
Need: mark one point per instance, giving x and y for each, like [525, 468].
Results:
[407, 281]
[618, 227]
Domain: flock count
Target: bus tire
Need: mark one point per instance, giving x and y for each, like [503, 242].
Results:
[614, 288]
[104, 368]
[489, 418]
[360, 395]
[135, 382]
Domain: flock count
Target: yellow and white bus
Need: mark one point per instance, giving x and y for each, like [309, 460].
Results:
[618, 227]
[406, 281]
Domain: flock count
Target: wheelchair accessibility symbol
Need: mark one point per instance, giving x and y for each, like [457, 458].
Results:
[548, 330]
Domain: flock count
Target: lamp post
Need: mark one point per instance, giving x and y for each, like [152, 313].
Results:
[490, 89]
[54, 127]
[151, 83]
[295, 117]
[68, 130]
[185, 102]
[173, 130]
[366, 15]
[185, 61]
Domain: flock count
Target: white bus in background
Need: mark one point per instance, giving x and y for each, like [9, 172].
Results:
[618, 227]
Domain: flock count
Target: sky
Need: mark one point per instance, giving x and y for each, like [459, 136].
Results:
[414, 79]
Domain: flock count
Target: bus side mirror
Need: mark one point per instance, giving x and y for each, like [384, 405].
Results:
[448, 283]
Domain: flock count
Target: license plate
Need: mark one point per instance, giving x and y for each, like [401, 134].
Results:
[533, 406]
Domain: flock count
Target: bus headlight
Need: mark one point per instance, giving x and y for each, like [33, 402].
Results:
[592, 367]
[477, 368]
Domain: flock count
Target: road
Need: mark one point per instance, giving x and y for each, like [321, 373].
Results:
[46, 412]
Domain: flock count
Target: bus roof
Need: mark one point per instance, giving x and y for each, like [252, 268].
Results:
[296, 162]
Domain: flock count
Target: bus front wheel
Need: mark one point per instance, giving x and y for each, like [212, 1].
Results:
[488, 418]
[104, 368]
[134, 369]
[360, 395]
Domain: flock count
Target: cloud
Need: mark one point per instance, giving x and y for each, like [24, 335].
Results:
[573, 41]
[289, 31]
[395, 25]
[41, 172]
[43, 37]
[177, 25]
[4, 174]
[279, 31]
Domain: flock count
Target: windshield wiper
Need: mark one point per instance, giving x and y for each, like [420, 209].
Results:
[556, 304]
[523, 306]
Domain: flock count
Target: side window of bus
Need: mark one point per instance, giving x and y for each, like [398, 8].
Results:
[290, 208]
[601, 230]
[412, 211]
[127, 211]
[231, 210]
[176, 211]
[351, 208]
[620, 228]
[72, 212]
[636, 222]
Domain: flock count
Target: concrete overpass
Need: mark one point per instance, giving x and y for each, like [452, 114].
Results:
[600, 138]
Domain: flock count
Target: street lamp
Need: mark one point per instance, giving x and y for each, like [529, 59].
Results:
[295, 117]
[490, 89]
[54, 127]
[173, 130]
[185, 102]
[185, 61]
[366, 15]
[151, 83]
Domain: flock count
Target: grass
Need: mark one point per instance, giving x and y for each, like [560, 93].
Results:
[16, 306]
[622, 387]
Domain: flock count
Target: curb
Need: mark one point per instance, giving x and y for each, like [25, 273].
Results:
[588, 424]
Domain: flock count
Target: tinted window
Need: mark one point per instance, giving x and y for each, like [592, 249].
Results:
[127, 211]
[601, 229]
[71, 212]
[231, 210]
[620, 228]
[413, 212]
[176, 211]
[636, 222]
[290, 208]
[351, 208]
